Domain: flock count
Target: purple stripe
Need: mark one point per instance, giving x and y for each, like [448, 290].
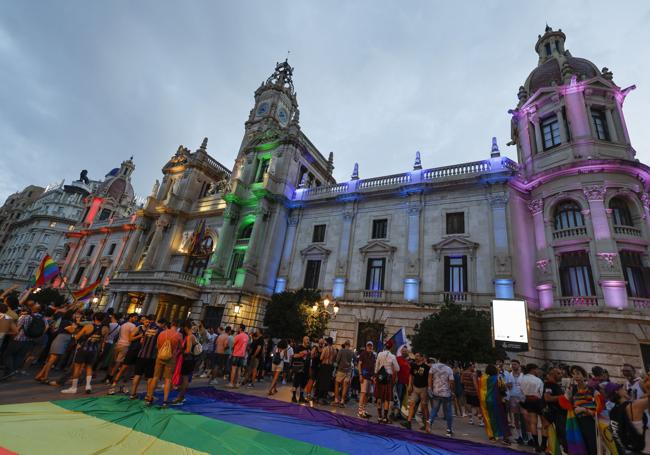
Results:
[350, 423]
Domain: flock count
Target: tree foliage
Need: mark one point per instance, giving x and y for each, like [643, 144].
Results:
[289, 315]
[47, 296]
[457, 333]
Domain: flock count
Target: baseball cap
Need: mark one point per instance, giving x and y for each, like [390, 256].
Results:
[369, 343]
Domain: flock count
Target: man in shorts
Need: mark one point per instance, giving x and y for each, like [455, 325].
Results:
[417, 389]
[146, 358]
[240, 344]
[343, 373]
[220, 346]
[366, 367]
[164, 368]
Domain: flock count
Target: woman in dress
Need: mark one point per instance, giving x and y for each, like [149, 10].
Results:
[189, 362]
[58, 347]
[277, 364]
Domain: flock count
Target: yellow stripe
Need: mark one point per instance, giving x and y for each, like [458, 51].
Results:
[44, 428]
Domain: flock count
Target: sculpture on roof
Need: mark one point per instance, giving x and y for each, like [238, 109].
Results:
[83, 177]
[282, 76]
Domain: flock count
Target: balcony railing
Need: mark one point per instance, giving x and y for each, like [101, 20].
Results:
[372, 295]
[577, 302]
[157, 275]
[627, 230]
[322, 190]
[388, 180]
[639, 302]
[457, 169]
[455, 296]
[580, 231]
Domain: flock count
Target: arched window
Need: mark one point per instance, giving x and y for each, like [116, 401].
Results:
[568, 214]
[621, 215]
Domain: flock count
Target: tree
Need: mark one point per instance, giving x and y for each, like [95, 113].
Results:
[457, 333]
[47, 296]
[288, 315]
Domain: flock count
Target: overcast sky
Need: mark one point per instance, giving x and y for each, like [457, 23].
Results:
[88, 84]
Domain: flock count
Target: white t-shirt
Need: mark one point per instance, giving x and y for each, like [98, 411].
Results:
[208, 346]
[442, 374]
[113, 332]
[288, 355]
[387, 360]
[531, 385]
[515, 381]
[127, 329]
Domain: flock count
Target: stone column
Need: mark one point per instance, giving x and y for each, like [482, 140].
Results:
[576, 110]
[543, 264]
[611, 127]
[538, 134]
[285, 264]
[619, 110]
[412, 275]
[150, 304]
[503, 283]
[560, 119]
[338, 289]
[259, 228]
[132, 246]
[608, 266]
[592, 127]
[645, 200]
[226, 239]
[161, 224]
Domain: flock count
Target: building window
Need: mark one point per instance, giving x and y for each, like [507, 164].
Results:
[91, 248]
[111, 249]
[104, 215]
[547, 47]
[101, 273]
[575, 275]
[319, 234]
[621, 215]
[235, 264]
[568, 214]
[375, 274]
[312, 274]
[455, 273]
[245, 233]
[551, 132]
[379, 228]
[456, 223]
[262, 167]
[600, 125]
[637, 277]
[77, 277]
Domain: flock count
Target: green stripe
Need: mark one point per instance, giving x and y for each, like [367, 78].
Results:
[43, 428]
[189, 430]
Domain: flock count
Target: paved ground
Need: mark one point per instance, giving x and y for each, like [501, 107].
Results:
[22, 389]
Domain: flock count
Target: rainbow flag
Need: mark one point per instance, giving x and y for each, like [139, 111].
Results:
[210, 421]
[576, 444]
[87, 292]
[46, 271]
[494, 415]
[553, 445]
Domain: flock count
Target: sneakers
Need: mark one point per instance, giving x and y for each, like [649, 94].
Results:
[471, 421]
[363, 415]
[70, 390]
[178, 402]
[204, 375]
[133, 397]
[89, 390]
[294, 399]
[164, 405]
[406, 425]
[214, 382]
[284, 382]
[250, 385]
[449, 433]
[480, 423]
[112, 391]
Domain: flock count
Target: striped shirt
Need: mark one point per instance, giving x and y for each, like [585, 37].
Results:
[148, 347]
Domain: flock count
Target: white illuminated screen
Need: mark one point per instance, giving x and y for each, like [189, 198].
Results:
[509, 319]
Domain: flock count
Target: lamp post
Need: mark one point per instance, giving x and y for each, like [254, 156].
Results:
[317, 311]
[238, 307]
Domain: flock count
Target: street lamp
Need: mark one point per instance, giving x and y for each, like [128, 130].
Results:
[326, 308]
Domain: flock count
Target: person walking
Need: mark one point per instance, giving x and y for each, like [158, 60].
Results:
[441, 391]
[417, 390]
[386, 369]
[366, 368]
[343, 374]
[168, 346]
[238, 353]
[326, 369]
[146, 357]
[277, 365]
[90, 343]
[469, 379]
[189, 343]
[299, 368]
[58, 347]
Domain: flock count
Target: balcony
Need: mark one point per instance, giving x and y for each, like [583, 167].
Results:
[160, 281]
[577, 302]
[373, 295]
[629, 231]
[458, 297]
[580, 231]
[639, 303]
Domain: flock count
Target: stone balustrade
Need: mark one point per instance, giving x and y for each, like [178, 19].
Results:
[577, 302]
[388, 180]
[639, 303]
[627, 230]
[580, 231]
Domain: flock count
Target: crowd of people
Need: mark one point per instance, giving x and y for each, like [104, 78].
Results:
[552, 408]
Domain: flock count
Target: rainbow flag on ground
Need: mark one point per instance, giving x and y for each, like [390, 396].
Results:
[46, 271]
[87, 292]
[494, 415]
[210, 421]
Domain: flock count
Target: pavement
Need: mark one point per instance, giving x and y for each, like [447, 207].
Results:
[23, 389]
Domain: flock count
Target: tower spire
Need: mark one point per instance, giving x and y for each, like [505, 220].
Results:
[417, 165]
[355, 172]
[495, 153]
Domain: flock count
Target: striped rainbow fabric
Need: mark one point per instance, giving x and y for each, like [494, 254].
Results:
[494, 416]
[87, 292]
[46, 271]
[210, 421]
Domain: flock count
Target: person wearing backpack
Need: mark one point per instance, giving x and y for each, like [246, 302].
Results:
[277, 364]
[90, 343]
[30, 326]
[169, 345]
[191, 350]
[386, 369]
[628, 420]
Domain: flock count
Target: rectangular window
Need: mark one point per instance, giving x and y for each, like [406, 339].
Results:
[600, 125]
[319, 234]
[637, 278]
[456, 223]
[575, 275]
[455, 273]
[263, 166]
[312, 273]
[111, 249]
[91, 248]
[235, 263]
[379, 228]
[104, 215]
[101, 273]
[375, 274]
[77, 277]
[551, 132]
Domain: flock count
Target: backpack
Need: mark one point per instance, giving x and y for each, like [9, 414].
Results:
[197, 349]
[165, 351]
[36, 327]
[277, 358]
[382, 376]
[625, 434]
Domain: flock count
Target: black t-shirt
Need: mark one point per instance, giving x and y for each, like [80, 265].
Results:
[298, 361]
[420, 375]
[553, 389]
[259, 341]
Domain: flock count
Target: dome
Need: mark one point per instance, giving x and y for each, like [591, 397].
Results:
[113, 172]
[549, 73]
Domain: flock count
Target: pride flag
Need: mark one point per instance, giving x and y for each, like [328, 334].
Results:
[46, 271]
[210, 421]
[494, 415]
[87, 292]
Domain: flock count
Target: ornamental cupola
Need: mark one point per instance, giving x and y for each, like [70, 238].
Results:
[275, 101]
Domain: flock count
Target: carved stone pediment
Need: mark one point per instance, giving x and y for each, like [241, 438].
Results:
[315, 251]
[455, 244]
[378, 247]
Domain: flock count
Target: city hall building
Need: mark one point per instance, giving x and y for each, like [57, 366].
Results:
[565, 228]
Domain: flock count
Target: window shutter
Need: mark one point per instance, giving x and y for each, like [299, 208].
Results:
[368, 276]
[446, 265]
[383, 272]
[465, 287]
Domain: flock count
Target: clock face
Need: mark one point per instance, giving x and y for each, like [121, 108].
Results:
[263, 109]
[283, 116]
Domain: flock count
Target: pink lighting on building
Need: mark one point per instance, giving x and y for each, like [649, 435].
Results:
[92, 211]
